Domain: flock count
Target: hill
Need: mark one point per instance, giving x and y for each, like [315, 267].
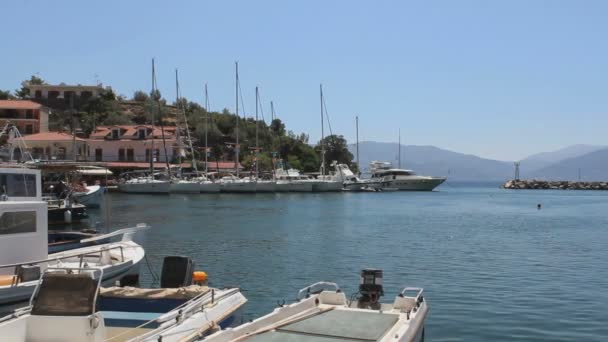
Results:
[431, 160]
[593, 167]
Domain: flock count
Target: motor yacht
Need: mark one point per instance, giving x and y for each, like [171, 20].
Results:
[402, 179]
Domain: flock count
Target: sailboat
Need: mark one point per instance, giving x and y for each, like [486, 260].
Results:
[260, 184]
[205, 184]
[234, 183]
[157, 183]
[196, 183]
[324, 182]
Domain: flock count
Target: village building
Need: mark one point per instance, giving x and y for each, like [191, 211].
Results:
[133, 144]
[29, 117]
[56, 146]
[64, 91]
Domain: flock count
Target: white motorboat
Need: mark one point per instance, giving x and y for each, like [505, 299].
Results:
[145, 185]
[324, 313]
[24, 240]
[401, 179]
[184, 186]
[291, 180]
[70, 305]
[350, 181]
[234, 184]
[92, 198]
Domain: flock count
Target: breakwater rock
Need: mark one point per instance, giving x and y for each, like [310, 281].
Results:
[554, 185]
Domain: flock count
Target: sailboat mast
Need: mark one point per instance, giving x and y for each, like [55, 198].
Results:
[206, 127]
[322, 133]
[257, 147]
[357, 133]
[177, 132]
[399, 158]
[178, 92]
[162, 128]
[271, 111]
[236, 162]
[152, 96]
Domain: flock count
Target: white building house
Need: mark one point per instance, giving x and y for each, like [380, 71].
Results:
[132, 143]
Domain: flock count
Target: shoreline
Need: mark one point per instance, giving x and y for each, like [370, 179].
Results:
[535, 184]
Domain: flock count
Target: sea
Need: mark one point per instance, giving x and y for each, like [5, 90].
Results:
[494, 267]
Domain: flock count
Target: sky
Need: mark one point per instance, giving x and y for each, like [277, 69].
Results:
[498, 79]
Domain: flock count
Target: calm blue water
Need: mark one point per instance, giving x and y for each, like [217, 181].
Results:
[492, 265]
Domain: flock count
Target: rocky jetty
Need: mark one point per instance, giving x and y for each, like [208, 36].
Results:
[553, 185]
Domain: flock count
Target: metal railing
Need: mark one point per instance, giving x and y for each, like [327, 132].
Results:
[322, 285]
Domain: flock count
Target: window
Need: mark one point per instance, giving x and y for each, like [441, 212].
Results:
[121, 154]
[98, 154]
[116, 134]
[130, 155]
[141, 133]
[18, 185]
[38, 94]
[147, 154]
[29, 129]
[29, 114]
[18, 222]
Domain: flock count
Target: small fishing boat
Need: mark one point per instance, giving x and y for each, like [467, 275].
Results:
[60, 241]
[64, 210]
[24, 247]
[70, 304]
[324, 313]
[350, 181]
[92, 197]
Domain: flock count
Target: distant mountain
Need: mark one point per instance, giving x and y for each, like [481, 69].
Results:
[431, 160]
[540, 160]
[593, 167]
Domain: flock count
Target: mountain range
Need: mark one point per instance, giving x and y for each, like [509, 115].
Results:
[563, 164]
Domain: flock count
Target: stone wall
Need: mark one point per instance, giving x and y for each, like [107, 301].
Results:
[554, 185]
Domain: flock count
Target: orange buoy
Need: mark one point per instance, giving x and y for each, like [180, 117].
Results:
[199, 277]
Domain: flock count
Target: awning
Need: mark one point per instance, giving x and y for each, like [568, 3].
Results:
[95, 172]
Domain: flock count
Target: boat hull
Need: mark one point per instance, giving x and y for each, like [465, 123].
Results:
[91, 199]
[185, 188]
[238, 187]
[209, 187]
[265, 186]
[427, 184]
[132, 252]
[145, 188]
[57, 214]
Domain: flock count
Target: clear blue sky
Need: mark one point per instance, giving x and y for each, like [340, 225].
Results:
[500, 79]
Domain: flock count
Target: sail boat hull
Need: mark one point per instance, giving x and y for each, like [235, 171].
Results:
[209, 187]
[265, 186]
[184, 187]
[154, 187]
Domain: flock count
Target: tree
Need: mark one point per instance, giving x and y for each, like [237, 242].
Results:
[24, 92]
[6, 95]
[140, 96]
[336, 149]
[278, 127]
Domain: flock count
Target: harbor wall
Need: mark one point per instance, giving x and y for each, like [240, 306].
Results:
[522, 184]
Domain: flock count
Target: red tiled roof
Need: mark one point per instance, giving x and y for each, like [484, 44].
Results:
[19, 104]
[131, 130]
[50, 136]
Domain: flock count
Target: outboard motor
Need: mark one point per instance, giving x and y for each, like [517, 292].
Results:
[177, 272]
[370, 288]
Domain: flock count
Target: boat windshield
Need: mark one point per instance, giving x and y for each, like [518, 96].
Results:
[18, 185]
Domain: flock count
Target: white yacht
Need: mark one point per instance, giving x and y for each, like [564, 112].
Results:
[24, 240]
[155, 184]
[350, 181]
[401, 179]
[291, 180]
[92, 197]
[324, 313]
[233, 183]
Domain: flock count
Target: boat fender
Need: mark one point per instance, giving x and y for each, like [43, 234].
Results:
[281, 304]
[317, 301]
[199, 277]
[67, 216]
